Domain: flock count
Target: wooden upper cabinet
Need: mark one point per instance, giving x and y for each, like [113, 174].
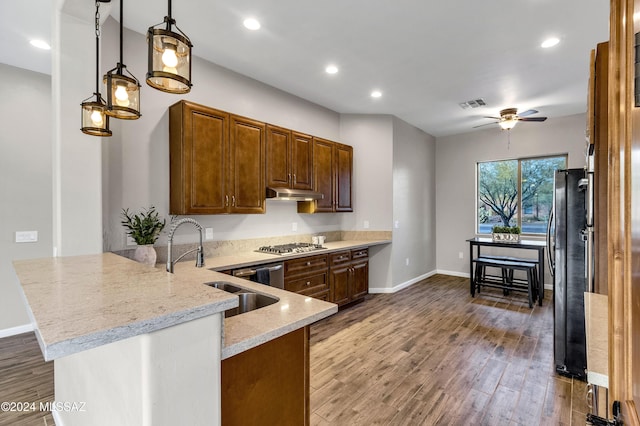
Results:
[302, 161]
[246, 179]
[289, 159]
[216, 161]
[332, 175]
[323, 173]
[198, 139]
[278, 157]
[344, 171]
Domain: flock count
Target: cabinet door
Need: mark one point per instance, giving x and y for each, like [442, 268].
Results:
[198, 140]
[246, 180]
[360, 285]
[344, 171]
[278, 157]
[302, 161]
[339, 278]
[323, 173]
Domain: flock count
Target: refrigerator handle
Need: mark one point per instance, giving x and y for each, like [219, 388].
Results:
[551, 251]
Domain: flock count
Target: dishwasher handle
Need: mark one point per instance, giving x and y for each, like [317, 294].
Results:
[243, 273]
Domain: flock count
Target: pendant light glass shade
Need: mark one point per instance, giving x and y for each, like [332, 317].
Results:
[123, 91]
[95, 121]
[123, 94]
[169, 58]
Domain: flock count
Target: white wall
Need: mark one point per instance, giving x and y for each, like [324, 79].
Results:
[414, 203]
[372, 139]
[136, 158]
[25, 180]
[456, 158]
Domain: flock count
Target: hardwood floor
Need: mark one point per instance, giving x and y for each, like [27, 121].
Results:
[427, 355]
[432, 355]
[25, 377]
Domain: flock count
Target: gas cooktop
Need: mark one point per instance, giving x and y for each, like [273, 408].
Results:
[290, 248]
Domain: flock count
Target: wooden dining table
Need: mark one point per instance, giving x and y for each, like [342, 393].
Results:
[537, 245]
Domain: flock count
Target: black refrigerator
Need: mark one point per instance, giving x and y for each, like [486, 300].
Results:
[567, 235]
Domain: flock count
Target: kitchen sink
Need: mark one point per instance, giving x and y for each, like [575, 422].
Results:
[226, 286]
[248, 300]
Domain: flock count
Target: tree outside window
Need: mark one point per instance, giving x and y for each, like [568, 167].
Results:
[517, 193]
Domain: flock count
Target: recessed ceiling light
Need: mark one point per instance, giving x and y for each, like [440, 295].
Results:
[252, 24]
[376, 94]
[40, 44]
[550, 42]
[331, 69]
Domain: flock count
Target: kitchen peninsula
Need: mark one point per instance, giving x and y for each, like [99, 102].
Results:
[137, 345]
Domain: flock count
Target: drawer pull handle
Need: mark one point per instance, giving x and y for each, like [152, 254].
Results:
[308, 282]
[308, 263]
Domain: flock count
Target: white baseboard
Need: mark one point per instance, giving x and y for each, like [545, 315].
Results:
[453, 273]
[13, 331]
[402, 285]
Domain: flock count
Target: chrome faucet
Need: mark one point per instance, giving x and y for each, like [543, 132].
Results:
[200, 254]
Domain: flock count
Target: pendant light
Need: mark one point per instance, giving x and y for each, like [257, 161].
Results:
[169, 57]
[95, 121]
[123, 91]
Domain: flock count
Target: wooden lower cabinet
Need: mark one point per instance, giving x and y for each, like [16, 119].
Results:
[308, 276]
[268, 384]
[349, 275]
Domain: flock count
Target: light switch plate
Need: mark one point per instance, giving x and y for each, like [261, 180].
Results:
[208, 233]
[365, 225]
[26, 236]
[294, 226]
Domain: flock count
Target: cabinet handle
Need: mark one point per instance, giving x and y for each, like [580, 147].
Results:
[308, 282]
[233, 200]
[289, 178]
[294, 179]
[226, 200]
[308, 263]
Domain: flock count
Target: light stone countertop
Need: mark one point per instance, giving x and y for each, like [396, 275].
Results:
[81, 302]
[240, 260]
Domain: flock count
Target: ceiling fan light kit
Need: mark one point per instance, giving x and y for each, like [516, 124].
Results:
[509, 117]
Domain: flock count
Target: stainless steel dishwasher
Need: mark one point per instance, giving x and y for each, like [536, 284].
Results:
[271, 274]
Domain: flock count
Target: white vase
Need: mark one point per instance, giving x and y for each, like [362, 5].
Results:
[145, 254]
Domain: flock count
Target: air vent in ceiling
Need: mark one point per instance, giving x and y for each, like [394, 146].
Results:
[474, 103]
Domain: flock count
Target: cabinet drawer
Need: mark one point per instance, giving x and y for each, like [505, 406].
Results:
[305, 265]
[323, 295]
[340, 258]
[359, 253]
[317, 283]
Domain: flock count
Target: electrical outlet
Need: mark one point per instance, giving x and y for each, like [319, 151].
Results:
[396, 224]
[208, 233]
[26, 236]
[460, 255]
[294, 226]
[407, 261]
[365, 225]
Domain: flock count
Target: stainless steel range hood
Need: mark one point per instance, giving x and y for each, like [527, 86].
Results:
[293, 194]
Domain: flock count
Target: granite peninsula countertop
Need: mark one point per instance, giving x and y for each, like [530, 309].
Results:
[81, 302]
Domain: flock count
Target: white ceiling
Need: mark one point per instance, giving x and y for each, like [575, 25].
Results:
[425, 56]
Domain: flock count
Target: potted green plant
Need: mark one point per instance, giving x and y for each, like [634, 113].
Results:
[510, 234]
[144, 228]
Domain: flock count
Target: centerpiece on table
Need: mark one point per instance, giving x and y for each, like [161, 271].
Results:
[144, 228]
[506, 234]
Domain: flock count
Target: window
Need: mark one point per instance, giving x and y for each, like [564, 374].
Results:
[517, 193]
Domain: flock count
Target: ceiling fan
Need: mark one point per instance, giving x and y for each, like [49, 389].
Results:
[509, 117]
